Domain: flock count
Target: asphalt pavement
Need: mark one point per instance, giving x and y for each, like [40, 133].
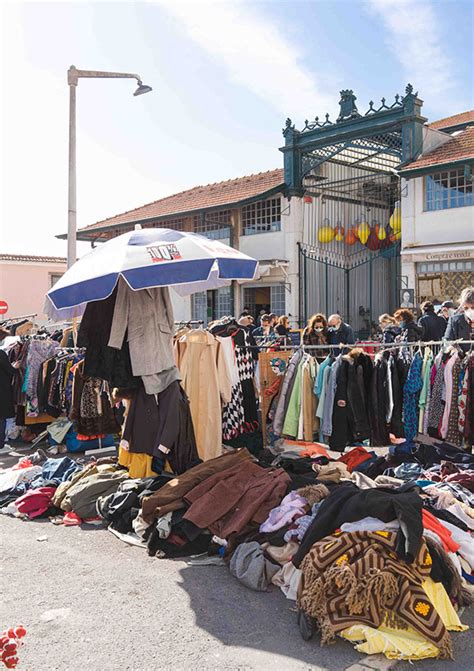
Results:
[92, 603]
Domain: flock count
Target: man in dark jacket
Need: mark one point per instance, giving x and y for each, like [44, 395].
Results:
[433, 325]
[339, 332]
[461, 325]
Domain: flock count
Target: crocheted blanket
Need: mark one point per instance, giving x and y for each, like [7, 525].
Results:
[356, 577]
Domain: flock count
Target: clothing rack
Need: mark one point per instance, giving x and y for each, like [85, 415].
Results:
[188, 323]
[361, 345]
[11, 320]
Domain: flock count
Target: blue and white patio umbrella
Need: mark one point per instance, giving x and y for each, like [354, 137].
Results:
[146, 258]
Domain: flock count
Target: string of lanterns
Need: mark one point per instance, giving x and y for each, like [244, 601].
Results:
[374, 236]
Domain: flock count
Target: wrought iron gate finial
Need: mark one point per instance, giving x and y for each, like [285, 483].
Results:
[348, 108]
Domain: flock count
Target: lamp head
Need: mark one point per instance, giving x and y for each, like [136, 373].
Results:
[141, 89]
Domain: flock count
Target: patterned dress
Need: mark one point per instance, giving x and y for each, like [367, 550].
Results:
[436, 408]
[411, 392]
[453, 436]
[240, 414]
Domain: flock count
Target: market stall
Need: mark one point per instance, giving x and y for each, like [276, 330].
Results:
[361, 505]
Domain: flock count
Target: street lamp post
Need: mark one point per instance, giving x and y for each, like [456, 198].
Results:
[73, 76]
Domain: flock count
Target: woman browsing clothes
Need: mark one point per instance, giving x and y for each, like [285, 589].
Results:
[410, 331]
[316, 333]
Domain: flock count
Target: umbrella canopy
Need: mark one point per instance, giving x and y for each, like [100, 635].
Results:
[146, 258]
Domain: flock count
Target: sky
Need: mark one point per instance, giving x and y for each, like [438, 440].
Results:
[225, 76]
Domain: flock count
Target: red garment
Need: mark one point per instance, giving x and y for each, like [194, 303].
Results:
[355, 457]
[70, 519]
[35, 502]
[24, 462]
[436, 526]
[229, 501]
[310, 449]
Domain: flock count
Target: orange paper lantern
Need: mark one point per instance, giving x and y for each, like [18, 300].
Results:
[351, 236]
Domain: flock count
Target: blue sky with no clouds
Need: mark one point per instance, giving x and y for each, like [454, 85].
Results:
[225, 76]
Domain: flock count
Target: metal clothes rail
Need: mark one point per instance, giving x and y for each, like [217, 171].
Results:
[361, 345]
[10, 320]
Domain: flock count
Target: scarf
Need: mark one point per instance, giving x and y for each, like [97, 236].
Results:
[356, 578]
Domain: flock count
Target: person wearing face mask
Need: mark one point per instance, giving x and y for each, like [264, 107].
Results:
[339, 332]
[410, 331]
[433, 325]
[316, 333]
[447, 310]
[461, 325]
[389, 328]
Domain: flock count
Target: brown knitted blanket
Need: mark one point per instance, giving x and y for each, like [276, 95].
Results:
[352, 578]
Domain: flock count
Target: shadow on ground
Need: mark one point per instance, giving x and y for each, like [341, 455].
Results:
[258, 621]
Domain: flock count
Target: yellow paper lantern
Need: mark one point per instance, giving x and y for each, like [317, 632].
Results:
[381, 232]
[396, 219]
[363, 232]
[339, 233]
[326, 234]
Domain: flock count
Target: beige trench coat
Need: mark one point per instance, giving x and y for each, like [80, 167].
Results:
[207, 382]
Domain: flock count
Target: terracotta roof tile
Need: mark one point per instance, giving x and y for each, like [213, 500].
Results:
[458, 148]
[199, 197]
[462, 117]
[29, 258]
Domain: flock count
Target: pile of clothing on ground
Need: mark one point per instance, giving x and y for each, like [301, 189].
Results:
[374, 545]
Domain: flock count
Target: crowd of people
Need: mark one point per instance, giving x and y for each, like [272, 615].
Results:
[449, 322]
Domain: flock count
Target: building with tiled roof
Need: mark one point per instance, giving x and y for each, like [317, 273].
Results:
[455, 122]
[438, 211]
[24, 281]
[29, 258]
[231, 193]
[457, 150]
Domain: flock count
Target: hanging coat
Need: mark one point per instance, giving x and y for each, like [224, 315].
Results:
[147, 318]
[7, 372]
[207, 383]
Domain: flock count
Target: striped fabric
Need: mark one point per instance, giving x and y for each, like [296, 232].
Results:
[356, 577]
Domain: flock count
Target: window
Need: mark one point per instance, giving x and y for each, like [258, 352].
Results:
[209, 305]
[446, 267]
[53, 278]
[277, 299]
[445, 190]
[214, 225]
[199, 306]
[261, 217]
[177, 224]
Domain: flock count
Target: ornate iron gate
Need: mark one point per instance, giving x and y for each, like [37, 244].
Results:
[346, 173]
[360, 293]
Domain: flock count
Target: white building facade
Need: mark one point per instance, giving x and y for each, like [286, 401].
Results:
[438, 212]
